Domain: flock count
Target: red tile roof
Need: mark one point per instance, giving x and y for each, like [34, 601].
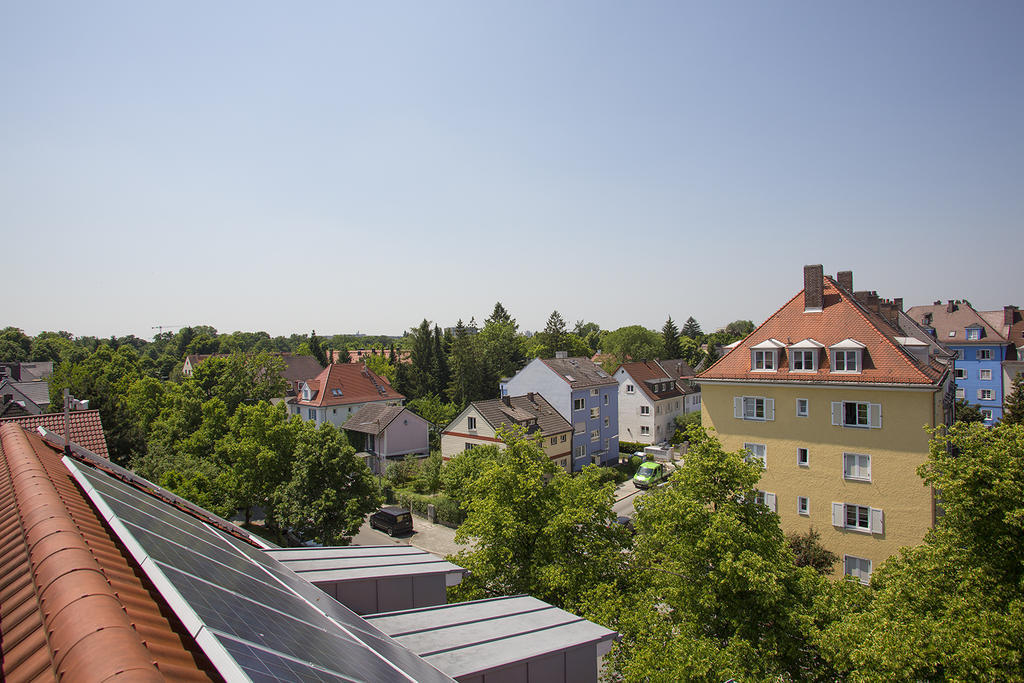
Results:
[347, 383]
[73, 605]
[650, 370]
[842, 317]
[86, 428]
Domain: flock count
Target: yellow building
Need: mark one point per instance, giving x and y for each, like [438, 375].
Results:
[834, 399]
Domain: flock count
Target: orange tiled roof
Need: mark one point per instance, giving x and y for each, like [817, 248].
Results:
[86, 428]
[73, 605]
[842, 317]
[346, 383]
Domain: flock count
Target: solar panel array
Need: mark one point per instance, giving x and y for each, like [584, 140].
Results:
[252, 616]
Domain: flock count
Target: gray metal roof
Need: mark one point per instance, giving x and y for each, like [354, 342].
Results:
[580, 373]
[470, 637]
[353, 562]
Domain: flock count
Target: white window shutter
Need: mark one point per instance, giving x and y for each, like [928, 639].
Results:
[979, 394]
[769, 500]
[769, 409]
[837, 412]
[875, 415]
[737, 407]
[838, 518]
[877, 521]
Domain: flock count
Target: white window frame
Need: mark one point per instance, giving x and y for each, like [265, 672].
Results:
[581, 451]
[748, 407]
[846, 355]
[595, 434]
[579, 404]
[593, 392]
[645, 410]
[806, 407]
[645, 430]
[854, 468]
[764, 360]
[972, 333]
[758, 452]
[959, 373]
[960, 392]
[803, 457]
[987, 414]
[875, 518]
[606, 399]
[857, 572]
[579, 427]
[767, 499]
[985, 374]
[800, 357]
[630, 389]
[984, 354]
[469, 446]
[986, 395]
[873, 419]
[607, 423]
[595, 413]
[554, 440]
[471, 423]
[803, 506]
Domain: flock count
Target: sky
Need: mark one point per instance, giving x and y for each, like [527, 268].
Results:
[347, 167]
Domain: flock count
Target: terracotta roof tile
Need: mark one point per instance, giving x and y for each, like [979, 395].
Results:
[646, 371]
[346, 383]
[842, 317]
[86, 427]
[957, 320]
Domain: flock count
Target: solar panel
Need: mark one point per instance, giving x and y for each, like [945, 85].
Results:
[253, 617]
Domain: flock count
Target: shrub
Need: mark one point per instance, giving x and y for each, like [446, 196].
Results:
[631, 446]
[448, 511]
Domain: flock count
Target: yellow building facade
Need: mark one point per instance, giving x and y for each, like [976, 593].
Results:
[836, 404]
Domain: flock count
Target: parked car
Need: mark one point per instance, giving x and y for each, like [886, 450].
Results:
[649, 474]
[392, 520]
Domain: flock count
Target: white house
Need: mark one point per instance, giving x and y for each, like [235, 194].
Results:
[652, 394]
[338, 393]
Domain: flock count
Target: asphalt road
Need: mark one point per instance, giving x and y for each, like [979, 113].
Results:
[626, 495]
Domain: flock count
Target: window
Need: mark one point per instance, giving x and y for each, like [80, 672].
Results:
[858, 568]
[595, 413]
[595, 434]
[607, 423]
[984, 354]
[985, 394]
[645, 430]
[554, 440]
[578, 427]
[985, 374]
[987, 414]
[581, 451]
[763, 361]
[645, 410]
[754, 408]
[959, 373]
[845, 361]
[766, 499]
[802, 361]
[858, 518]
[973, 333]
[758, 452]
[857, 414]
[469, 446]
[563, 438]
[578, 404]
[803, 458]
[311, 414]
[802, 405]
[630, 389]
[471, 423]
[593, 392]
[803, 505]
[606, 399]
[857, 466]
[960, 392]
[657, 410]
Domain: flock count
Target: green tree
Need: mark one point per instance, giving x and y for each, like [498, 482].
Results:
[330, 490]
[467, 372]
[809, 552]
[440, 372]
[1013, 407]
[951, 608]
[965, 412]
[416, 379]
[15, 345]
[633, 342]
[553, 336]
[537, 530]
[670, 341]
[316, 350]
[381, 366]
[691, 329]
[503, 349]
[435, 411]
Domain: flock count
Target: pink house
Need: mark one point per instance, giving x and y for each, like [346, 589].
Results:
[391, 432]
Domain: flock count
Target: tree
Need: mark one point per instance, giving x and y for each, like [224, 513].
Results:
[330, 490]
[809, 552]
[965, 412]
[467, 372]
[738, 329]
[502, 347]
[380, 366]
[15, 345]
[670, 341]
[691, 329]
[951, 608]
[440, 372]
[537, 530]
[436, 412]
[316, 350]
[416, 380]
[634, 342]
[690, 351]
[1013, 407]
[553, 336]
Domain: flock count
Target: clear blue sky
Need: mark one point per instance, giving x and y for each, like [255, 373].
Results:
[361, 166]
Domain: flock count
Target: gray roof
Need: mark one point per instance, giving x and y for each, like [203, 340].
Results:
[37, 392]
[522, 408]
[300, 367]
[466, 638]
[950, 321]
[373, 418]
[580, 372]
[355, 562]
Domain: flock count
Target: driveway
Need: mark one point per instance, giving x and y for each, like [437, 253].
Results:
[434, 538]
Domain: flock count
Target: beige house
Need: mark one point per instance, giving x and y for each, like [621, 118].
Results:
[478, 425]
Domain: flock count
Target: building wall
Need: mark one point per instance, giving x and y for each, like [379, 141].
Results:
[630, 420]
[605, 448]
[539, 378]
[896, 450]
[458, 434]
[1011, 369]
[968, 362]
[335, 415]
[692, 402]
[407, 433]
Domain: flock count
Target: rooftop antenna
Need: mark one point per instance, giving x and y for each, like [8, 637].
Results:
[67, 421]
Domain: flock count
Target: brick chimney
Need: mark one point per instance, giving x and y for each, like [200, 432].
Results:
[507, 400]
[950, 306]
[529, 396]
[814, 286]
[845, 280]
[1008, 314]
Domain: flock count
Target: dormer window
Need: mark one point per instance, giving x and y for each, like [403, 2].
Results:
[803, 356]
[764, 357]
[847, 356]
[973, 333]
[305, 392]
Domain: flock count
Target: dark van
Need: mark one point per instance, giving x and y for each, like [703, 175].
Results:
[392, 520]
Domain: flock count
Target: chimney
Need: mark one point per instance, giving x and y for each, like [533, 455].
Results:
[507, 400]
[814, 295]
[1008, 315]
[928, 319]
[845, 279]
[898, 303]
[950, 306]
[529, 396]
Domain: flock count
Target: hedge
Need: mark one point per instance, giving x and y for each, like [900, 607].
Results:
[631, 447]
[448, 511]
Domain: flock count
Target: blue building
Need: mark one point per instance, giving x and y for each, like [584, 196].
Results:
[980, 350]
[585, 395]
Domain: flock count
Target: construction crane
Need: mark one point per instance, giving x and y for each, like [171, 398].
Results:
[160, 328]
